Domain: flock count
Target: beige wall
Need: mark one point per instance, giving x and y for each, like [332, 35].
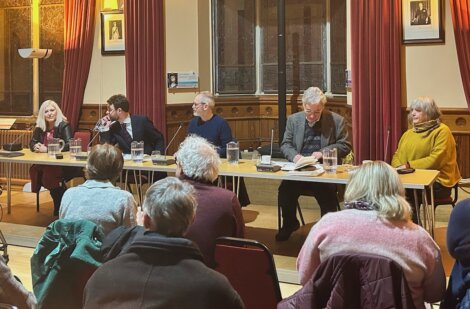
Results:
[107, 73]
[433, 70]
[429, 69]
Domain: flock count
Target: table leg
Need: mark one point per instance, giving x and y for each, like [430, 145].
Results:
[416, 201]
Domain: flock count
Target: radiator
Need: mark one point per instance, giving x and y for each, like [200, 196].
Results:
[20, 172]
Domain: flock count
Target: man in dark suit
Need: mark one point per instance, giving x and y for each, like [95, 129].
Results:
[307, 134]
[122, 128]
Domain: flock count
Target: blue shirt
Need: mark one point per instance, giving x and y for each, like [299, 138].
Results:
[216, 130]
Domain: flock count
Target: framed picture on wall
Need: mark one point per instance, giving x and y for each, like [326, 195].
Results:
[112, 33]
[422, 21]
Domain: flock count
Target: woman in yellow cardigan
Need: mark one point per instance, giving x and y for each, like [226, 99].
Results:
[429, 144]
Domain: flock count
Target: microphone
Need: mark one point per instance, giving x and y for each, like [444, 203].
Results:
[387, 141]
[268, 166]
[163, 160]
[83, 155]
[14, 146]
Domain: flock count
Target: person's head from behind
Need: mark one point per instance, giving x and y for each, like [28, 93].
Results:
[49, 115]
[169, 207]
[198, 159]
[313, 102]
[423, 109]
[379, 185]
[104, 163]
[203, 104]
[118, 107]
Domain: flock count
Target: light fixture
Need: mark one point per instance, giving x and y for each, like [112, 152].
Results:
[35, 52]
[109, 5]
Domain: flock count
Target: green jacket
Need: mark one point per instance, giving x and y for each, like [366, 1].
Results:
[64, 259]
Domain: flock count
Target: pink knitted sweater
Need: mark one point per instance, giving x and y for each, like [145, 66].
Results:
[360, 231]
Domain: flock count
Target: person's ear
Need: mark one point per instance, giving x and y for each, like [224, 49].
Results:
[147, 221]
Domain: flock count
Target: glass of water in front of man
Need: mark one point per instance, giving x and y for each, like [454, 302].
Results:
[330, 159]
[75, 146]
[137, 151]
[233, 152]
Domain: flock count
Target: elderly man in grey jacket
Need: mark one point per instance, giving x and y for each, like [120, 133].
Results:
[307, 134]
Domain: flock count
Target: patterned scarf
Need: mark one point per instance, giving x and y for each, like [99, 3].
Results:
[360, 205]
[426, 126]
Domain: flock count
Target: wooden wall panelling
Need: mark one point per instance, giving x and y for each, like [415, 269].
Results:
[463, 148]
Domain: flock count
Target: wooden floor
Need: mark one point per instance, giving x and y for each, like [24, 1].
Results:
[260, 219]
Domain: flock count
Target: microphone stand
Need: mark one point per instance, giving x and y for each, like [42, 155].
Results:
[163, 160]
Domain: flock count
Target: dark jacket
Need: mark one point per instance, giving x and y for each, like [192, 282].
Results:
[142, 130]
[62, 131]
[458, 244]
[154, 271]
[66, 255]
[353, 281]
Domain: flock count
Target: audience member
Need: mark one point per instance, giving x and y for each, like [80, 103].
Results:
[377, 220]
[122, 128]
[155, 266]
[307, 133]
[214, 129]
[12, 292]
[218, 212]
[429, 144]
[98, 200]
[51, 123]
[458, 244]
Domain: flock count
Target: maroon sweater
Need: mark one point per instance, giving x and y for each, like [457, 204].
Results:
[218, 214]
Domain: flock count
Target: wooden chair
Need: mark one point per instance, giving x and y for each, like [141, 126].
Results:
[250, 268]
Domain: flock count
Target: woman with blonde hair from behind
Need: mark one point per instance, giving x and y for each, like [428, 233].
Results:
[377, 220]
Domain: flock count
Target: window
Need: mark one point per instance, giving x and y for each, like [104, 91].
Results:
[19, 29]
[245, 45]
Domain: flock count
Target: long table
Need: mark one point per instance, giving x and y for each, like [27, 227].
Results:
[418, 181]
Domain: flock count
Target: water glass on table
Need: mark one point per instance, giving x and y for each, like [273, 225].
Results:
[137, 151]
[330, 159]
[233, 152]
[75, 146]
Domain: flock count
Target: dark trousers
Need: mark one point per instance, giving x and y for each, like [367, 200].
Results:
[289, 192]
[439, 191]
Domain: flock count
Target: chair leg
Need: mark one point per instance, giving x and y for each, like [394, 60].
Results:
[300, 214]
[279, 214]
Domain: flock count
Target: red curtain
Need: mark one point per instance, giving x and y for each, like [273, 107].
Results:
[145, 59]
[79, 19]
[461, 19]
[376, 79]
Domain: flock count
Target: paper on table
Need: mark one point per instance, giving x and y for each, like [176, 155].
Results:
[317, 172]
[128, 157]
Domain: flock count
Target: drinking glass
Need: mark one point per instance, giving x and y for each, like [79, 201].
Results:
[137, 151]
[330, 159]
[233, 152]
[156, 156]
[75, 146]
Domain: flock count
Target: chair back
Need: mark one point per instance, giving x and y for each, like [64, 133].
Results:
[250, 268]
[85, 136]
